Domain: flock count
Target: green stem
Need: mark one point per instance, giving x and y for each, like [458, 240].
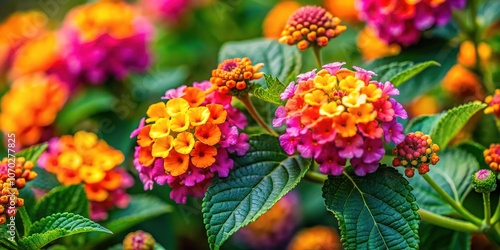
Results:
[245, 99]
[316, 177]
[26, 220]
[317, 55]
[446, 222]
[493, 235]
[487, 208]
[496, 215]
[453, 203]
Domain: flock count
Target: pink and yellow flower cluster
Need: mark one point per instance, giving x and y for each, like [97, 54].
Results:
[10, 186]
[417, 151]
[402, 21]
[105, 39]
[185, 140]
[337, 114]
[84, 158]
[493, 102]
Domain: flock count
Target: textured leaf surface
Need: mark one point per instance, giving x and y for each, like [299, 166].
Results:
[70, 199]
[452, 121]
[272, 92]
[435, 237]
[259, 179]
[33, 153]
[377, 211]
[407, 74]
[44, 180]
[423, 123]
[452, 173]
[279, 60]
[56, 226]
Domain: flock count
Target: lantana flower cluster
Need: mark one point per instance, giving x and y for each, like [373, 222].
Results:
[417, 151]
[402, 21]
[105, 39]
[30, 106]
[84, 158]
[234, 75]
[492, 157]
[169, 11]
[337, 114]
[21, 171]
[311, 26]
[186, 139]
[274, 227]
[139, 240]
[493, 102]
[317, 237]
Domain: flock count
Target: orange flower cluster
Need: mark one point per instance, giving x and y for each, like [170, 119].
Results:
[234, 74]
[36, 55]
[318, 237]
[14, 173]
[345, 9]
[492, 157]
[115, 18]
[31, 106]
[16, 30]
[83, 158]
[493, 102]
[372, 47]
[311, 26]
[182, 132]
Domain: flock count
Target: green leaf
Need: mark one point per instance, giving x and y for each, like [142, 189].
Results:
[141, 208]
[33, 153]
[452, 121]
[85, 104]
[4, 240]
[452, 173]
[376, 211]
[155, 82]
[259, 179]
[387, 71]
[56, 226]
[409, 73]
[279, 60]
[272, 92]
[438, 50]
[425, 123]
[44, 180]
[476, 150]
[70, 199]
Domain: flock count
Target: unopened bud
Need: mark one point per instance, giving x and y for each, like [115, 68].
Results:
[484, 181]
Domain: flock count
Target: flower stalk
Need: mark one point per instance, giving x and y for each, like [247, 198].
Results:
[316, 177]
[317, 55]
[487, 209]
[245, 99]
[446, 222]
[453, 203]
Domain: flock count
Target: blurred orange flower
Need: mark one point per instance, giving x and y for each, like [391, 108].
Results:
[467, 54]
[318, 237]
[30, 106]
[344, 9]
[462, 84]
[277, 17]
[39, 54]
[16, 30]
[372, 47]
[423, 105]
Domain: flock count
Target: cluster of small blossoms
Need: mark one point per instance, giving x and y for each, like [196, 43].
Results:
[492, 157]
[235, 74]
[184, 141]
[16, 30]
[493, 102]
[21, 173]
[105, 39]
[318, 237]
[274, 227]
[139, 240]
[337, 114]
[311, 26]
[84, 158]
[30, 106]
[416, 151]
[401, 21]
